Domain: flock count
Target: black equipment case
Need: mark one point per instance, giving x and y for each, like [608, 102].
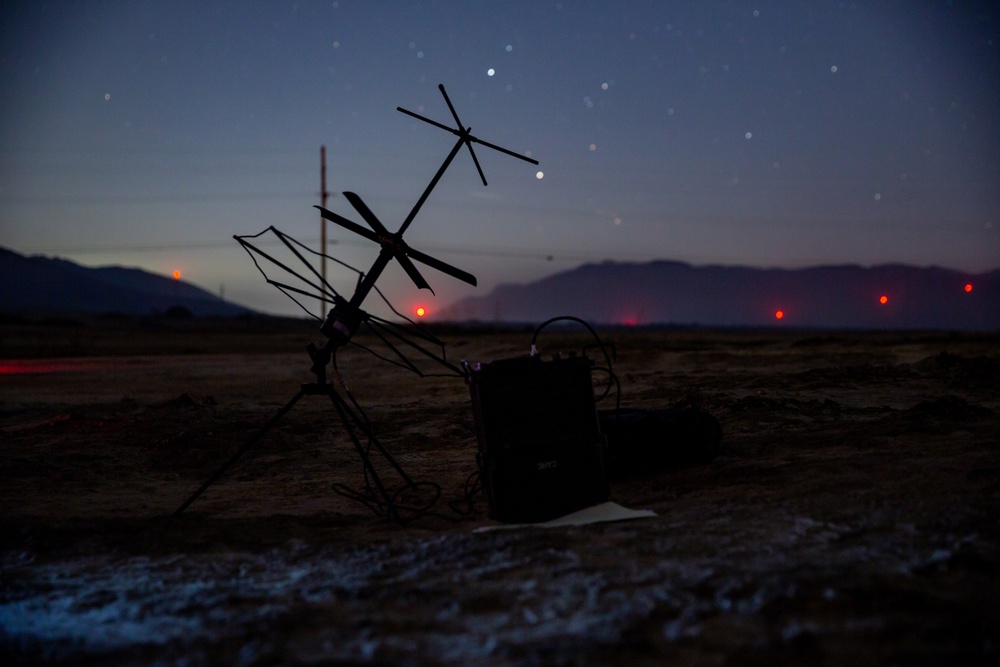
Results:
[540, 446]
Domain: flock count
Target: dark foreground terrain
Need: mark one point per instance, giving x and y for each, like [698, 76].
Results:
[852, 517]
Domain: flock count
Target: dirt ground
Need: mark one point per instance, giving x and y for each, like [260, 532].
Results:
[852, 517]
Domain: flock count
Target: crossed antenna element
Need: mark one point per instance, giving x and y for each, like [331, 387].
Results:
[393, 246]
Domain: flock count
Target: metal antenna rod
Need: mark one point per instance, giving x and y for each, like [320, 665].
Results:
[430, 186]
[464, 137]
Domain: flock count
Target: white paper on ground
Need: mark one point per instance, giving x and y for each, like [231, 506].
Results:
[595, 514]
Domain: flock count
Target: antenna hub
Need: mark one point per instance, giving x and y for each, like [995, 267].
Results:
[342, 321]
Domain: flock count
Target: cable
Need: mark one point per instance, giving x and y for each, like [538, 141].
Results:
[613, 380]
[393, 506]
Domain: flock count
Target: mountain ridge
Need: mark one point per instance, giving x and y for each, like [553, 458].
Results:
[668, 292]
[39, 284]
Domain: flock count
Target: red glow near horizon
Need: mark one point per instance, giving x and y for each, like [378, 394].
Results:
[968, 287]
[883, 299]
[631, 321]
[45, 366]
[778, 314]
[177, 274]
[420, 311]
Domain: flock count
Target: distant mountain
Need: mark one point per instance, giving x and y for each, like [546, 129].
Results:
[48, 285]
[676, 293]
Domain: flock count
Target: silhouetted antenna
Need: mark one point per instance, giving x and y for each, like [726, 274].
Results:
[346, 317]
[392, 244]
[464, 137]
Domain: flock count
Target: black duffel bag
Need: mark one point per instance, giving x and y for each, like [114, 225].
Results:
[652, 440]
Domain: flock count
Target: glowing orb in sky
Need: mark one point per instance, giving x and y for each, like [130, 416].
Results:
[968, 287]
[883, 299]
[490, 72]
[778, 314]
[177, 274]
[420, 311]
[540, 175]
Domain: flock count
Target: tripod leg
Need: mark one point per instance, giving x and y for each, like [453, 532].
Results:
[350, 421]
[240, 452]
[378, 445]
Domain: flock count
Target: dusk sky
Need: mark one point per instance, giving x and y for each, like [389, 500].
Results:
[767, 134]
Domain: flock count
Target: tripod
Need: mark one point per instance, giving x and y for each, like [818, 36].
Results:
[353, 422]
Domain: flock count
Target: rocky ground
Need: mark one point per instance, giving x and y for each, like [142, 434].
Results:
[852, 516]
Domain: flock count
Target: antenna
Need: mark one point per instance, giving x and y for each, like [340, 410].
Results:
[392, 244]
[343, 319]
[346, 316]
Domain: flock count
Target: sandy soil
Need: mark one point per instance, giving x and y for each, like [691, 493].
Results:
[851, 518]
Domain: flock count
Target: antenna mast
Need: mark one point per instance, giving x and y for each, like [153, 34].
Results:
[322, 235]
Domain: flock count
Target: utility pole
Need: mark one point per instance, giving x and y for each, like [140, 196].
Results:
[322, 236]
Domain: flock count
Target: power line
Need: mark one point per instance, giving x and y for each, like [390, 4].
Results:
[507, 253]
[145, 199]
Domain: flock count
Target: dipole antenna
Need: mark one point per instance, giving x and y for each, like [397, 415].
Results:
[464, 137]
[392, 244]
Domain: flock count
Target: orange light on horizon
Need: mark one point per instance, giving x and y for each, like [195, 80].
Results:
[420, 311]
[883, 299]
[968, 287]
[177, 274]
[779, 314]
